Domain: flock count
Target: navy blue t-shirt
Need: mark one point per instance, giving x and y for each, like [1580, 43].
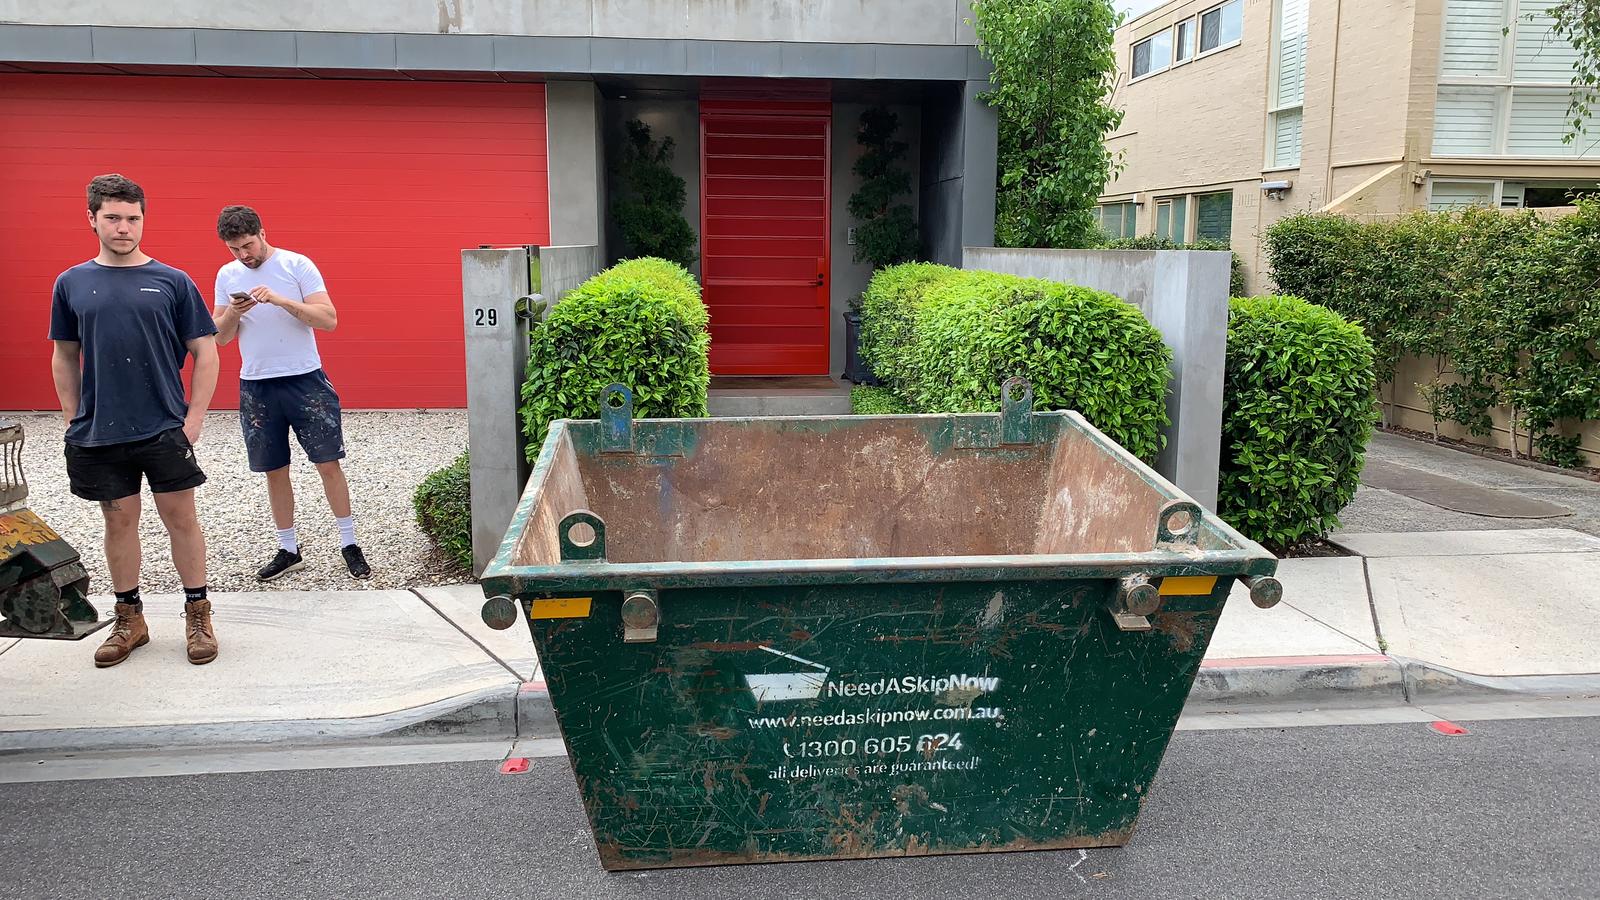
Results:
[134, 323]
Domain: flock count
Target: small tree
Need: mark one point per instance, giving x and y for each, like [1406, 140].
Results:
[649, 209]
[886, 233]
[1054, 69]
[1579, 22]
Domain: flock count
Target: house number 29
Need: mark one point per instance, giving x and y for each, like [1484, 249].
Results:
[485, 318]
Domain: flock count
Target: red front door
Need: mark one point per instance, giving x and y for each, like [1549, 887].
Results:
[764, 235]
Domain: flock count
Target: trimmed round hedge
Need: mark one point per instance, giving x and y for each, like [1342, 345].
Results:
[944, 340]
[1298, 410]
[640, 323]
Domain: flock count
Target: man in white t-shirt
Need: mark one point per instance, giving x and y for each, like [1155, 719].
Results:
[275, 301]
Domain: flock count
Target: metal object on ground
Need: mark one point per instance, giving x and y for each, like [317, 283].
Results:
[810, 638]
[43, 585]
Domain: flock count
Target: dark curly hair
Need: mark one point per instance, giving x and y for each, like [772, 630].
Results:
[237, 222]
[113, 187]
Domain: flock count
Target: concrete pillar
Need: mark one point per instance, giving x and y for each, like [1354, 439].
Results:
[1184, 294]
[497, 356]
[980, 153]
[577, 163]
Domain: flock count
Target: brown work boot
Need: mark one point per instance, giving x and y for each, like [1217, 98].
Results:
[202, 640]
[128, 633]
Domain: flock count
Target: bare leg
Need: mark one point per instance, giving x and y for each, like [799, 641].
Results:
[281, 494]
[122, 541]
[188, 541]
[337, 489]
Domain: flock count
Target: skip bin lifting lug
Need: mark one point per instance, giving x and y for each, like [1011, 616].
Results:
[1137, 599]
[641, 616]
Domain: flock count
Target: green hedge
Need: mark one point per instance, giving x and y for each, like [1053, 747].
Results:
[1236, 285]
[443, 504]
[640, 323]
[1297, 413]
[876, 401]
[944, 340]
[1504, 303]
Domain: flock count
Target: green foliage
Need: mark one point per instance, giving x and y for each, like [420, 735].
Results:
[1579, 22]
[1297, 413]
[640, 323]
[944, 340]
[886, 232]
[876, 401]
[1054, 67]
[443, 505]
[1236, 285]
[649, 208]
[1505, 302]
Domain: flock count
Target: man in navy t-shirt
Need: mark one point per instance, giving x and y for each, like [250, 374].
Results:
[123, 324]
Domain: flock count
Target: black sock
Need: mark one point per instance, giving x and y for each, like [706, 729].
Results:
[190, 594]
[130, 597]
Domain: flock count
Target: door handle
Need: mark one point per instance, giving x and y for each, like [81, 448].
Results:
[822, 275]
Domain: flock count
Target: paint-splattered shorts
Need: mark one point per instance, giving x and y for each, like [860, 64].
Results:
[269, 407]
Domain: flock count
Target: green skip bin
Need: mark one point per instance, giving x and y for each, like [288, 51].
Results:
[771, 639]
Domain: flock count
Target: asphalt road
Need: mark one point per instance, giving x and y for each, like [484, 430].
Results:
[1511, 809]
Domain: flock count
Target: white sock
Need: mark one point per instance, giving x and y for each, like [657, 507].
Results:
[287, 541]
[347, 530]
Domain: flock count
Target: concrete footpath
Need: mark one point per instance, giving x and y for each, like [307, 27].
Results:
[1417, 617]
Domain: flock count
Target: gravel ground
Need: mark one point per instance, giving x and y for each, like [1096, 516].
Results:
[390, 452]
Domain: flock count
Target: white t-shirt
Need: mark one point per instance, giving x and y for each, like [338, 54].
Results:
[273, 343]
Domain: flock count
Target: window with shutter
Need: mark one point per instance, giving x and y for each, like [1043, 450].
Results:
[1460, 194]
[1290, 26]
[1505, 82]
[1213, 219]
[1464, 120]
[1474, 37]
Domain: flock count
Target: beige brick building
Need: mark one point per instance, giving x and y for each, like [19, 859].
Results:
[1241, 112]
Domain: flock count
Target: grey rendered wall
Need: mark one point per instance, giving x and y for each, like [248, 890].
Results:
[960, 136]
[1184, 294]
[848, 278]
[677, 119]
[576, 163]
[846, 21]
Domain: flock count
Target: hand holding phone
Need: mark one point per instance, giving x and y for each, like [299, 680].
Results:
[242, 301]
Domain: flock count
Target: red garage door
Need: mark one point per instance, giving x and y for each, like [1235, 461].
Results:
[381, 183]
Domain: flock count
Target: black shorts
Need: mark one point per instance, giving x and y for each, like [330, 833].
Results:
[112, 471]
[269, 407]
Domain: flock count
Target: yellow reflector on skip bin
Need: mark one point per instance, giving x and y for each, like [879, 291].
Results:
[560, 608]
[1187, 585]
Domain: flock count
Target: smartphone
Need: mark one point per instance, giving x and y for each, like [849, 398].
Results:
[240, 296]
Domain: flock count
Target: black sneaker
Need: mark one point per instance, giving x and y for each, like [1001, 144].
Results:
[357, 562]
[282, 564]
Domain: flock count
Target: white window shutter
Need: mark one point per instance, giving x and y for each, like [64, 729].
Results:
[1542, 55]
[1463, 122]
[1474, 37]
[1539, 121]
[1286, 138]
[1292, 25]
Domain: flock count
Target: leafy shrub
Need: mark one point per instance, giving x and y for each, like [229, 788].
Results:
[886, 229]
[443, 504]
[1504, 303]
[648, 207]
[944, 340]
[876, 401]
[1297, 413]
[1236, 285]
[640, 323]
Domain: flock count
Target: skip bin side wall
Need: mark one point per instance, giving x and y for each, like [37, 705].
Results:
[944, 718]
